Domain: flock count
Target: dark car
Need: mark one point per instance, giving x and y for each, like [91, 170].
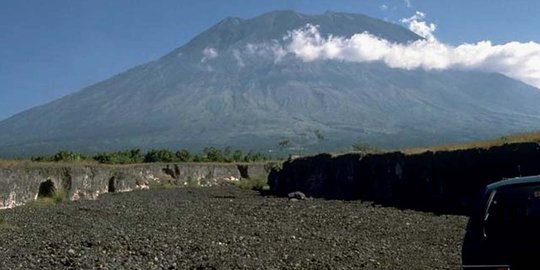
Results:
[504, 229]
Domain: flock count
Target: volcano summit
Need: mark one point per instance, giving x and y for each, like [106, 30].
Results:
[240, 84]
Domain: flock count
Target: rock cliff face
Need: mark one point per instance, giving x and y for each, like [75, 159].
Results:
[443, 182]
[24, 182]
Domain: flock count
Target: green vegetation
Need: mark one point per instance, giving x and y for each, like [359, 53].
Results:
[56, 198]
[254, 183]
[183, 155]
[121, 157]
[62, 156]
[59, 196]
[209, 154]
[161, 155]
[192, 182]
[48, 195]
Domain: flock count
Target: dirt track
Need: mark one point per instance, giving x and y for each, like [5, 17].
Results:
[225, 228]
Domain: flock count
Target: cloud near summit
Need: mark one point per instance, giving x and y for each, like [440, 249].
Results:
[514, 59]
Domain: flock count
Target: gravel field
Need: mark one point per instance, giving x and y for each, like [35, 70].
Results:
[225, 228]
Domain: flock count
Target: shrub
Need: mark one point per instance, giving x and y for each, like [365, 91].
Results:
[62, 156]
[237, 155]
[68, 156]
[255, 156]
[213, 154]
[59, 196]
[183, 155]
[255, 183]
[191, 182]
[121, 157]
[197, 158]
[227, 154]
[162, 155]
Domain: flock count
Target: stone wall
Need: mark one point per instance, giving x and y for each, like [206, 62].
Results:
[20, 182]
[442, 182]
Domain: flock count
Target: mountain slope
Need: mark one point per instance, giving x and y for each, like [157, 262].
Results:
[230, 86]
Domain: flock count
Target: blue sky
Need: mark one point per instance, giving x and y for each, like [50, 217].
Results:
[49, 49]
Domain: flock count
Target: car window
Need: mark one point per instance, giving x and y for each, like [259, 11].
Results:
[513, 214]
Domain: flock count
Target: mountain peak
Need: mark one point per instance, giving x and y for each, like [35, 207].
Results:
[335, 13]
[274, 25]
[230, 21]
[214, 91]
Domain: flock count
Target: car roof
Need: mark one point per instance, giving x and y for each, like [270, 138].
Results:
[514, 181]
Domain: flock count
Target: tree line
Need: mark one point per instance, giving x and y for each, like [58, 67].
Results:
[209, 154]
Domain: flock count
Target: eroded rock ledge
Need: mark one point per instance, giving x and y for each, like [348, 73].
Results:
[21, 182]
[443, 182]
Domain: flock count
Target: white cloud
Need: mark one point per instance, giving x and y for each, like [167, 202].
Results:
[383, 7]
[209, 53]
[418, 25]
[272, 49]
[517, 60]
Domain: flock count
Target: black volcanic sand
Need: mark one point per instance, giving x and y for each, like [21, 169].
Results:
[225, 228]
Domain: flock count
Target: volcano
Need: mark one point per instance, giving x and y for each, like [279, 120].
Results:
[234, 85]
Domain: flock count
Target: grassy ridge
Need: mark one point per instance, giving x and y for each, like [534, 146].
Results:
[516, 138]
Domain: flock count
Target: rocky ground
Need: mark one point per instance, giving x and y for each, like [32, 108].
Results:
[225, 228]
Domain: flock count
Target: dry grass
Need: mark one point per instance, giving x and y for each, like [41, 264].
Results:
[26, 162]
[12, 162]
[40, 202]
[533, 137]
[56, 197]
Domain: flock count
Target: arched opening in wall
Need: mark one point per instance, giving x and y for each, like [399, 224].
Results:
[243, 170]
[46, 189]
[112, 184]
